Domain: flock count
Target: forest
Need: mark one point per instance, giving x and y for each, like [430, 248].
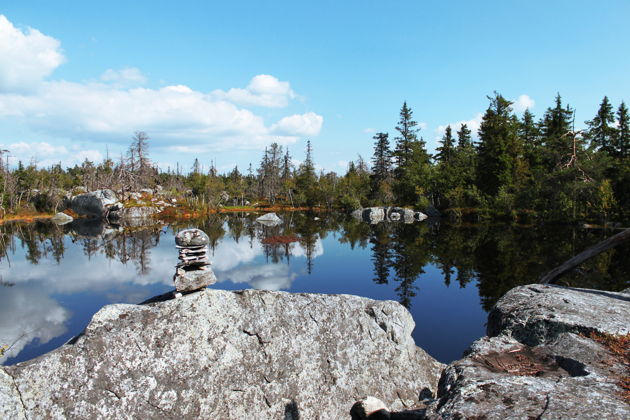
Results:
[520, 169]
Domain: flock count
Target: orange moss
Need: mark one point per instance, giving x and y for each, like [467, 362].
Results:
[25, 216]
[619, 345]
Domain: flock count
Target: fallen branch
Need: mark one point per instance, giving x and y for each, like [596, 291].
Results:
[585, 255]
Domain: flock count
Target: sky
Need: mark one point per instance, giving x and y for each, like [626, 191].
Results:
[219, 81]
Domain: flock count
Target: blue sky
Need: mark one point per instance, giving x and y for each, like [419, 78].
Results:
[219, 81]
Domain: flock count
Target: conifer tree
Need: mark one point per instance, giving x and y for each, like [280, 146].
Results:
[555, 125]
[445, 151]
[381, 160]
[622, 135]
[601, 131]
[498, 144]
[408, 135]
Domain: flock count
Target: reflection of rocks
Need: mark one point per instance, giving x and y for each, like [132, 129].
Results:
[193, 271]
[374, 215]
[219, 354]
[269, 219]
[61, 219]
[27, 314]
[564, 374]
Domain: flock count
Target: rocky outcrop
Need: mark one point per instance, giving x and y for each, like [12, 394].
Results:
[374, 215]
[535, 314]
[227, 355]
[538, 362]
[99, 204]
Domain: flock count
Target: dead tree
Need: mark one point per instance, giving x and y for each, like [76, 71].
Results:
[585, 255]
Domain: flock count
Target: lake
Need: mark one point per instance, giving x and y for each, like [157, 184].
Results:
[54, 278]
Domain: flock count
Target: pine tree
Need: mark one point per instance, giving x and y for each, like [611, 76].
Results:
[408, 135]
[555, 125]
[622, 135]
[498, 144]
[445, 151]
[381, 160]
[601, 131]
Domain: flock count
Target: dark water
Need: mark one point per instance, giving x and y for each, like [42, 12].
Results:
[53, 279]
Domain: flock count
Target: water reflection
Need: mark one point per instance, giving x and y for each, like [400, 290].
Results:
[54, 278]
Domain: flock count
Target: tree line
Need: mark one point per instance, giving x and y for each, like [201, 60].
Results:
[517, 168]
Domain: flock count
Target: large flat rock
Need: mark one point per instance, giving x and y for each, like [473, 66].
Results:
[534, 314]
[227, 355]
[540, 362]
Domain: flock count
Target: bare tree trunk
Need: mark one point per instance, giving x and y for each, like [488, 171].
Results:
[585, 255]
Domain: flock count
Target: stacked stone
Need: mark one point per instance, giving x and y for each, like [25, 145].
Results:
[193, 272]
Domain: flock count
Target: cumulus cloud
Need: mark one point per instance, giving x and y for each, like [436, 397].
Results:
[473, 125]
[263, 90]
[261, 276]
[26, 57]
[308, 124]
[108, 109]
[522, 103]
[27, 314]
[130, 76]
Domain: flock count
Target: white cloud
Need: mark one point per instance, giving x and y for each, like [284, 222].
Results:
[308, 124]
[422, 125]
[109, 109]
[473, 125]
[262, 276]
[369, 130]
[522, 103]
[127, 77]
[263, 90]
[26, 314]
[26, 58]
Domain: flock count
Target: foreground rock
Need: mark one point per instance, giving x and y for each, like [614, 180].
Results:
[374, 215]
[227, 355]
[537, 365]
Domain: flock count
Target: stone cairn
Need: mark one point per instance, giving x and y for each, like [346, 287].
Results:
[193, 272]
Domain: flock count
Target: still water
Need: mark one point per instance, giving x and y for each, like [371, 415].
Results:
[53, 279]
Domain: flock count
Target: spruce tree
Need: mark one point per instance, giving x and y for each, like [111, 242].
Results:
[381, 160]
[622, 135]
[498, 147]
[408, 135]
[554, 128]
[601, 130]
[445, 151]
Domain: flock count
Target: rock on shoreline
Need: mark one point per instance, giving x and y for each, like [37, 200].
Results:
[538, 363]
[227, 355]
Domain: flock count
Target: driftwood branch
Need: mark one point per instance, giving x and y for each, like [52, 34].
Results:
[585, 255]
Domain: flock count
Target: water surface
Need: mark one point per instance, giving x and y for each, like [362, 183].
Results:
[53, 279]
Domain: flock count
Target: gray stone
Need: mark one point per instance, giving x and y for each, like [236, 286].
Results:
[536, 364]
[228, 355]
[94, 204]
[138, 213]
[269, 219]
[534, 314]
[191, 280]
[374, 215]
[419, 216]
[502, 378]
[191, 238]
[61, 219]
